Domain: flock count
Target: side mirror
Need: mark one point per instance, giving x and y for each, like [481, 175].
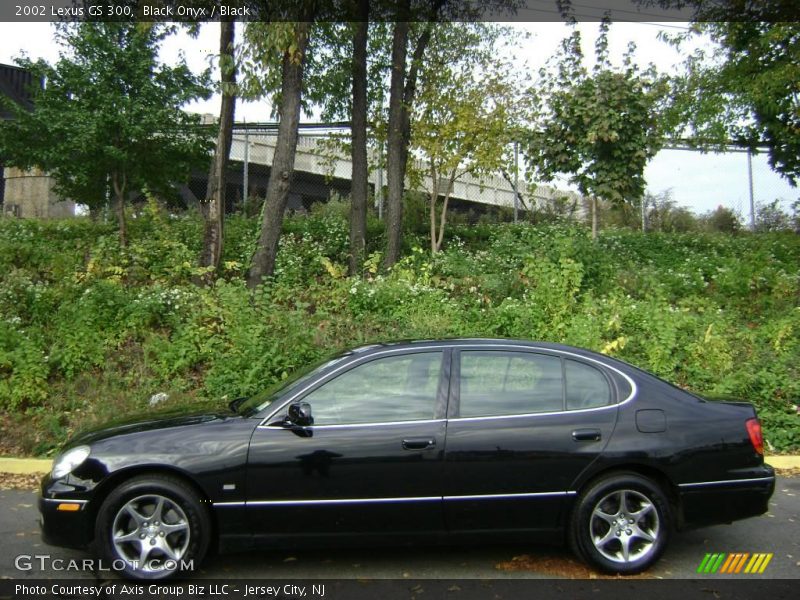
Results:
[300, 414]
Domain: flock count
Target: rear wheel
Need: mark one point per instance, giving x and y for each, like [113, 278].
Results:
[621, 524]
[153, 527]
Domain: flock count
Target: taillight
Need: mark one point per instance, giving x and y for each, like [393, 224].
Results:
[754, 431]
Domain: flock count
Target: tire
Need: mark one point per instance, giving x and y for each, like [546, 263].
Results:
[621, 524]
[152, 527]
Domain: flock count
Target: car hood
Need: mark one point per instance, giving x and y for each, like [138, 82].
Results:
[147, 422]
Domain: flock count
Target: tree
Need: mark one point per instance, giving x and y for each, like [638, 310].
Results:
[464, 113]
[291, 40]
[109, 114]
[771, 217]
[744, 90]
[344, 76]
[214, 205]
[401, 93]
[664, 214]
[597, 128]
[405, 70]
[722, 220]
[359, 188]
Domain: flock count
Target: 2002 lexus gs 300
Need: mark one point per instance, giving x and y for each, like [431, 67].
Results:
[418, 441]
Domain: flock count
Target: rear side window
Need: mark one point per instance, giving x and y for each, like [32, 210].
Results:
[509, 383]
[587, 387]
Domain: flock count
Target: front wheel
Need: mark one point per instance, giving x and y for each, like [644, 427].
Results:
[621, 524]
[152, 527]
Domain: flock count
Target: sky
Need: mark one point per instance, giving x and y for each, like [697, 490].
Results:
[700, 182]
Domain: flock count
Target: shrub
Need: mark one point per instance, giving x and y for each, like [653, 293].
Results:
[89, 329]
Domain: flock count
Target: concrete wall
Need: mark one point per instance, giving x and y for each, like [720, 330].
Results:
[30, 194]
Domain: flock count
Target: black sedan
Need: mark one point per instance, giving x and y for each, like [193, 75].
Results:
[417, 442]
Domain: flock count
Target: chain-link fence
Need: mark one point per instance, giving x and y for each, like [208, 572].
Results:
[737, 180]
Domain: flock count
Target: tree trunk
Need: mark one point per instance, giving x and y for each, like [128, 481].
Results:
[280, 177]
[395, 156]
[434, 198]
[359, 187]
[594, 218]
[401, 98]
[443, 218]
[214, 205]
[120, 184]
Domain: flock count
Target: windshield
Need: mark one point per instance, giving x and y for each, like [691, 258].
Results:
[263, 399]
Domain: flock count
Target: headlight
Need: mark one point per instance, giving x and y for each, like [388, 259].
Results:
[64, 464]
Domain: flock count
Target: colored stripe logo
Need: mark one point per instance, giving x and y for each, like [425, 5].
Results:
[735, 563]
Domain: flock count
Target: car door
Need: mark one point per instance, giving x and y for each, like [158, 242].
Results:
[518, 436]
[372, 460]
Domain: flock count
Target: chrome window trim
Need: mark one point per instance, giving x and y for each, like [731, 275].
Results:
[335, 501]
[478, 347]
[344, 425]
[726, 482]
[353, 364]
[535, 414]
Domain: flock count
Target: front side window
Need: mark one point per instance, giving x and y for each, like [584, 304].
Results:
[395, 388]
[509, 383]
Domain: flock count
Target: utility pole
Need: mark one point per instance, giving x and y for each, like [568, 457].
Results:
[246, 181]
[644, 214]
[750, 181]
[516, 181]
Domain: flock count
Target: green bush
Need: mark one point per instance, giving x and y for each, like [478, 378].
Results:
[89, 330]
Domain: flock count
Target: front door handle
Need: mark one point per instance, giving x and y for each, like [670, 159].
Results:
[586, 435]
[418, 443]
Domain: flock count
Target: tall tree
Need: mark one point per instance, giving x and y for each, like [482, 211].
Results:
[744, 89]
[344, 74]
[405, 69]
[292, 39]
[599, 128]
[359, 189]
[214, 205]
[109, 115]
[465, 113]
[395, 147]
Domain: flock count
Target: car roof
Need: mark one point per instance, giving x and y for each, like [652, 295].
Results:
[471, 342]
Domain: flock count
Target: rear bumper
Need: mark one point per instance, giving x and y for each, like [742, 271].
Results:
[715, 502]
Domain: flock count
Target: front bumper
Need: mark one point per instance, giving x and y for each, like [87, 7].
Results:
[67, 528]
[717, 502]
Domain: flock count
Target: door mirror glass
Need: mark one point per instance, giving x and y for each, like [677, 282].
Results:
[300, 414]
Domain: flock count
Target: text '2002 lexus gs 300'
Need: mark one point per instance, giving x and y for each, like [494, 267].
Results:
[418, 441]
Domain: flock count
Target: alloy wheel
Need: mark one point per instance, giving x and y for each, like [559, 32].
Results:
[624, 526]
[151, 533]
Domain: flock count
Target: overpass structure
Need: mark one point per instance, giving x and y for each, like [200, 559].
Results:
[322, 167]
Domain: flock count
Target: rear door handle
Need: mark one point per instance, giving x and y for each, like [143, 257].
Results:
[586, 435]
[418, 443]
